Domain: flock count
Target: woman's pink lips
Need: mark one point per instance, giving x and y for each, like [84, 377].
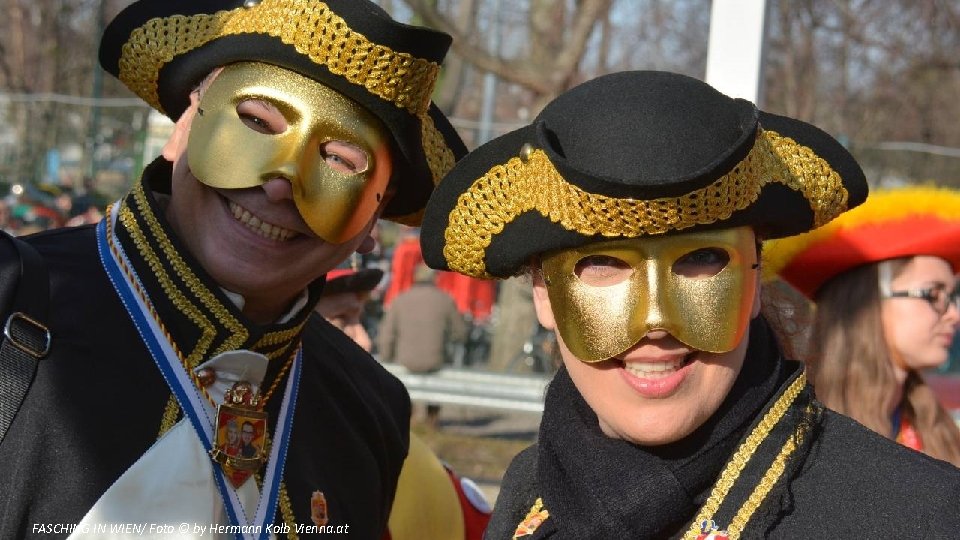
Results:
[660, 387]
[945, 338]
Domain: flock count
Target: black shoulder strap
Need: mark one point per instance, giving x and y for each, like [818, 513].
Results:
[25, 338]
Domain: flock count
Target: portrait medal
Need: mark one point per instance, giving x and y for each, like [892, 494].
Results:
[240, 433]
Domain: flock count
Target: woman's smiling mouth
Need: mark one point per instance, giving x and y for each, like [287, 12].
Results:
[657, 369]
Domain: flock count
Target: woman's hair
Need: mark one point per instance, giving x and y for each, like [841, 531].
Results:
[851, 367]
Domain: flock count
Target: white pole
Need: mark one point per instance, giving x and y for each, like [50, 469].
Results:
[490, 80]
[735, 49]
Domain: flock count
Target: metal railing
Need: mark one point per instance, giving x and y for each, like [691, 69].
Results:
[475, 388]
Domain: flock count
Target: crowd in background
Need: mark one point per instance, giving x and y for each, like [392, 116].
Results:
[501, 332]
[31, 208]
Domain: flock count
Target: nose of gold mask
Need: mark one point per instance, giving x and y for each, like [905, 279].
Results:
[224, 151]
[708, 313]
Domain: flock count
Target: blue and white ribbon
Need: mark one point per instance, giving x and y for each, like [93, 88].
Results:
[190, 398]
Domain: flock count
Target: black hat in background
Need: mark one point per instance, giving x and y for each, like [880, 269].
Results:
[633, 154]
[162, 49]
[342, 280]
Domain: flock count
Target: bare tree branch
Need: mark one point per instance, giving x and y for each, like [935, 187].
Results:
[520, 72]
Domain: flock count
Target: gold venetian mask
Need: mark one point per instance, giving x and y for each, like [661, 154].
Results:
[226, 151]
[699, 287]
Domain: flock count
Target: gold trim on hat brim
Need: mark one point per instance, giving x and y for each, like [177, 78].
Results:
[315, 31]
[533, 184]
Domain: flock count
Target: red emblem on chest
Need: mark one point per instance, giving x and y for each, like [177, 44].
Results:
[318, 509]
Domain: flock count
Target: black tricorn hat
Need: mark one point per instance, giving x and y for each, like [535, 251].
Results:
[634, 154]
[162, 49]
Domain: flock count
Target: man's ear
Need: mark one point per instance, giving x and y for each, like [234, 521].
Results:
[177, 143]
[541, 302]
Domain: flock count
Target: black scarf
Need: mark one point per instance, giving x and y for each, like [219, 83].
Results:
[598, 487]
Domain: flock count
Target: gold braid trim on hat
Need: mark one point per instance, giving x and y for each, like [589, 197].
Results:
[440, 157]
[315, 31]
[531, 183]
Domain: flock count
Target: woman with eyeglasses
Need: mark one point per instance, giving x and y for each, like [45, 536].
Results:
[883, 280]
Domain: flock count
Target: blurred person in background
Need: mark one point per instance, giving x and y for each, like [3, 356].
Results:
[432, 501]
[474, 297]
[637, 202]
[404, 259]
[515, 326]
[84, 213]
[420, 329]
[63, 204]
[38, 208]
[883, 281]
[343, 298]
[6, 218]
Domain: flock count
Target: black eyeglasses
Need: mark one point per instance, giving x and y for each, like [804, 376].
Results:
[937, 297]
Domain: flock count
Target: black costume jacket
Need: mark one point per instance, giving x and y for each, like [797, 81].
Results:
[99, 401]
[806, 472]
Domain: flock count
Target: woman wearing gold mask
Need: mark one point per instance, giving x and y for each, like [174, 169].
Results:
[636, 202]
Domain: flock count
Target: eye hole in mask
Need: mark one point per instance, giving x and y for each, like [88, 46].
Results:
[257, 122]
[701, 263]
[605, 270]
[602, 270]
[699, 287]
[264, 118]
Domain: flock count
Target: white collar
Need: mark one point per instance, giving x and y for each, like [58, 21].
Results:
[297, 306]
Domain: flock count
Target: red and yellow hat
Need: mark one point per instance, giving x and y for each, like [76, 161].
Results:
[892, 223]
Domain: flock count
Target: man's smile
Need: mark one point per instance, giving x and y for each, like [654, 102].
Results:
[263, 228]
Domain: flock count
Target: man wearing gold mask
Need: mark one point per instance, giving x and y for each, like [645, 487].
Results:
[637, 203]
[187, 310]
